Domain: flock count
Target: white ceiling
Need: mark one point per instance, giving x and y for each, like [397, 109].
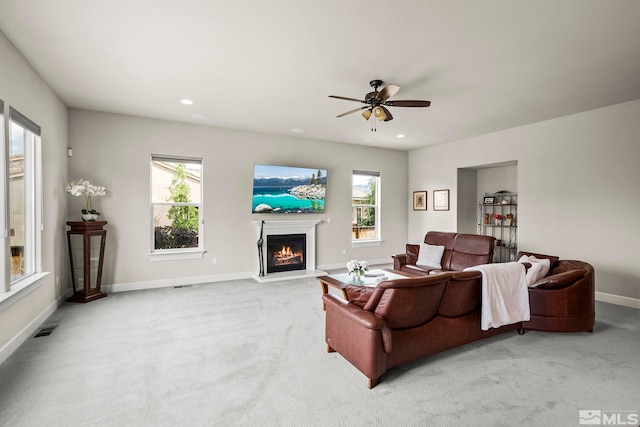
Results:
[270, 66]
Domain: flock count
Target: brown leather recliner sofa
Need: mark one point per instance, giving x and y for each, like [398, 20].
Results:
[563, 300]
[460, 251]
[404, 320]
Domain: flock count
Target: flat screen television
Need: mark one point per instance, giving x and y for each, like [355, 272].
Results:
[286, 189]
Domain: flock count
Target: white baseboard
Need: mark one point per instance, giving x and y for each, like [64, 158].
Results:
[179, 281]
[28, 331]
[617, 299]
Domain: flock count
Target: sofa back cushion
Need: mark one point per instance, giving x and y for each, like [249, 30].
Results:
[462, 294]
[442, 238]
[406, 303]
[470, 250]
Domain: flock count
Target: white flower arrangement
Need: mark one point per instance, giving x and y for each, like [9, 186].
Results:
[82, 187]
[357, 267]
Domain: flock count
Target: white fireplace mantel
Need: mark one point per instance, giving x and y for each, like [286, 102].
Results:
[307, 227]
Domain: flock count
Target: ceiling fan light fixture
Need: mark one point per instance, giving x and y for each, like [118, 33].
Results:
[366, 114]
[379, 113]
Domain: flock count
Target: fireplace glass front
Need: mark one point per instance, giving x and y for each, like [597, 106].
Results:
[286, 252]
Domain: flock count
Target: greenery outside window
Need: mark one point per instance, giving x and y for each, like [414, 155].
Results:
[365, 219]
[176, 204]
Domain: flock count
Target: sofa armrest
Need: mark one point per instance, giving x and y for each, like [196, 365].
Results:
[362, 318]
[560, 280]
[398, 261]
[355, 313]
[410, 257]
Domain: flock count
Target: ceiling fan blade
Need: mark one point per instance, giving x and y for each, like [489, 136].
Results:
[347, 99]
[388, 113]
[388, 91]
[352, 111]
[408, 103]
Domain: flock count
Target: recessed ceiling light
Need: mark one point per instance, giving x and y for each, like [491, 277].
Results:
[186, 101]
[297, 130]
[400, 135]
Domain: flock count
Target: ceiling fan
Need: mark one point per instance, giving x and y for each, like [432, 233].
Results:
[377, 101]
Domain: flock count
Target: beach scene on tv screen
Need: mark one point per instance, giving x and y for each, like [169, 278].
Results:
[285, 189]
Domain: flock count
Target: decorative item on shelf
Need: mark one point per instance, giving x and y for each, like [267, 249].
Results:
[486, 218]
[509, 222]
[82, 187]
[357, 269]
[497, 218]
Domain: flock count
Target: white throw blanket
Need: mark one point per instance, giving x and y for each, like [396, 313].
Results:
[505, 296]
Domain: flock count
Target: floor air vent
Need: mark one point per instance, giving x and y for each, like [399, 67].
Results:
[45, 331]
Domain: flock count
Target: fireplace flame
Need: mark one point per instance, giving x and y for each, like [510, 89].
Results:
[287, 256]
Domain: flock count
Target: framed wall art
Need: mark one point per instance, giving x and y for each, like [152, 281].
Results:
[441, 200]
[419, 200]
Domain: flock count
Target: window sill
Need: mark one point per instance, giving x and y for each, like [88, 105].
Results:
[176, 255]
[20, 290]
[365, 243]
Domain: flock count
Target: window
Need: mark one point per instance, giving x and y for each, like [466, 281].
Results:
[176, 204]
[366, 207]
[23, 203]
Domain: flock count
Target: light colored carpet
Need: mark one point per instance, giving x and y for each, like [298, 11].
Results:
[244, 354]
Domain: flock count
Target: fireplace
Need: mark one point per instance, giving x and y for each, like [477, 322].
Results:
[298, 261]
[286, 252]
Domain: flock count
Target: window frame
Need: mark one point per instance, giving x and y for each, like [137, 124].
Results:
[176, 253]
[377, 240]
[15, 289]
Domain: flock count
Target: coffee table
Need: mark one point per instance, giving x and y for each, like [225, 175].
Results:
[341, 280]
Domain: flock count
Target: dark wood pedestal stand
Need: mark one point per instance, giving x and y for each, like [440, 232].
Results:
[86, 241]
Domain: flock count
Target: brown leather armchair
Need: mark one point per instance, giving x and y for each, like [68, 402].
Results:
[563, 300]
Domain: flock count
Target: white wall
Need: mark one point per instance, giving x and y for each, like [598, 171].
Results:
[22, 88]
[494, 179]
[114, 151]
[577, 188]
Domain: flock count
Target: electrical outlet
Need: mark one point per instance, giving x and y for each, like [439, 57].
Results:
[214, 260]
[344, 251]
